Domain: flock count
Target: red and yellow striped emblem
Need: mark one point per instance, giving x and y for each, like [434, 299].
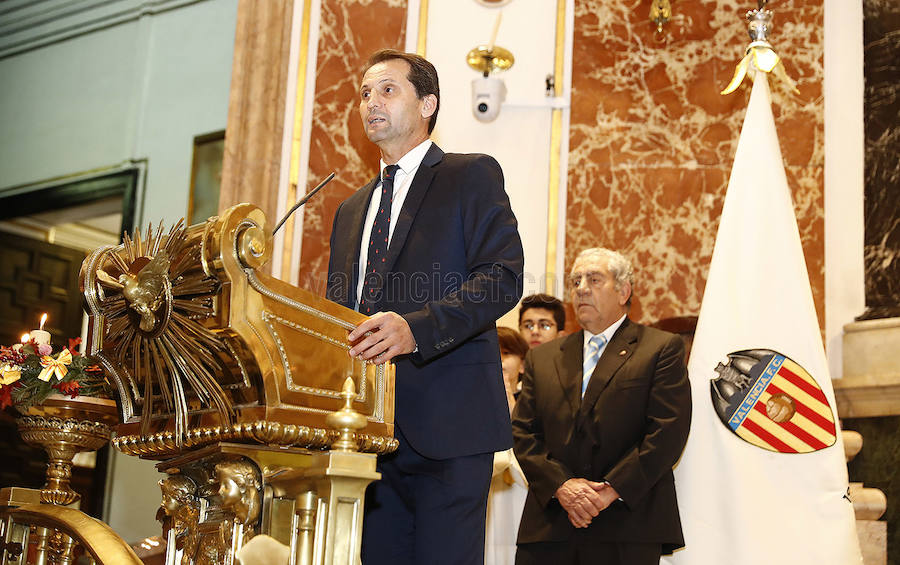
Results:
[778, 405]
[810, 428]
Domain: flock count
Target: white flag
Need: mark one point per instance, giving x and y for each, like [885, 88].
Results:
[763, 478]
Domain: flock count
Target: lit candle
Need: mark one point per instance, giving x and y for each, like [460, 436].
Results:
[39, 336]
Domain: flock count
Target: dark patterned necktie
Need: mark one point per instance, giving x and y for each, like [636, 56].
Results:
[378, 244]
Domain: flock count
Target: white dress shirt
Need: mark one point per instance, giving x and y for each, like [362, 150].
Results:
[403, 177]
[607, 333]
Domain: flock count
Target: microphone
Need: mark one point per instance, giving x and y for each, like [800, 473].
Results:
[303, 201]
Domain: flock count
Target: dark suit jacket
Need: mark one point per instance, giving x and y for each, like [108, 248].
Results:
[629, 429]
[454, 266]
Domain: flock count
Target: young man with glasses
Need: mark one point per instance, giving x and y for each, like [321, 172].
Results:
[542, 318]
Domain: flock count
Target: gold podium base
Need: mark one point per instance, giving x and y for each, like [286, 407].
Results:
[217, 498]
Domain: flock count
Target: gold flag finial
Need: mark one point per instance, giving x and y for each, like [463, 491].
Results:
[760, 56]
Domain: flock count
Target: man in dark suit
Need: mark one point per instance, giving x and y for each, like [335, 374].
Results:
[431, 250]
[602, 417]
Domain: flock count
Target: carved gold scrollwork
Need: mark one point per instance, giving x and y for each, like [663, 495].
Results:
[204, 347]
[163, 444]
[153, 295]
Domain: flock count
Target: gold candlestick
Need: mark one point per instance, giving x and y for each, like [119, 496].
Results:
[62, 427]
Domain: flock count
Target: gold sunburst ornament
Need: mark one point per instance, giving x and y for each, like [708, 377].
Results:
[153, 295]
[760, 56]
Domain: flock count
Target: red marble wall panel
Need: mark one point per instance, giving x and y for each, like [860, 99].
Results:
[350, 31]
[652, 140]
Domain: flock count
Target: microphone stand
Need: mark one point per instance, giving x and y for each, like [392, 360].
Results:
[302, 202]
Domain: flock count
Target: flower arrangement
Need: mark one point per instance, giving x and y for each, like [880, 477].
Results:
[31, 371]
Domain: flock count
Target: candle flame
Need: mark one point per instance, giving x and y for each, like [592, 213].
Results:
[26, 338]
[43, 319]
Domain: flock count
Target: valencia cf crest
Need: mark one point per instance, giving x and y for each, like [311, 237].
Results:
[772, 402]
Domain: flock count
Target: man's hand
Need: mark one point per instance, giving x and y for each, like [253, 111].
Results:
[583, 499]
[608, 495]
[390, 336]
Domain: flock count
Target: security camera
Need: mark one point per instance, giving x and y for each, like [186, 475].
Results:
[488, 93]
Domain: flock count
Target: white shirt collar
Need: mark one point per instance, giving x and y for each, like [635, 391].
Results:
[608, 333]
[412, 159]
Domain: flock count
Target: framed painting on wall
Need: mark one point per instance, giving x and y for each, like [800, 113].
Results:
[206, 176]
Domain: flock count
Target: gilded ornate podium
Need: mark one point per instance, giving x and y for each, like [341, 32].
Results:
[241, 387]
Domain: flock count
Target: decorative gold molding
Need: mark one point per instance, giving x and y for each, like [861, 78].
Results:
[296, 142]
[422, 37]
[162, 445]
[271, 320]
[296, 137]
[560, 53]
[555, 150]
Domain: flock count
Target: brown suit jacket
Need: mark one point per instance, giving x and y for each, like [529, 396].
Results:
[629, 429]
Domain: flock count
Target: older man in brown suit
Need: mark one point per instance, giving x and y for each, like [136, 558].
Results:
[603, 416]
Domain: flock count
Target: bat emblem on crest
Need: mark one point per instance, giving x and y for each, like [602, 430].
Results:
[769, 400]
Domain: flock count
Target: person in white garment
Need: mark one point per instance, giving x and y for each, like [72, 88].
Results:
[508, 485]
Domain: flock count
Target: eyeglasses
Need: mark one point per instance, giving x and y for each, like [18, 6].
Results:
[543, 325]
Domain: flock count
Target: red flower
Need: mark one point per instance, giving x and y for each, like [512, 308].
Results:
[67, 387]
[73, 345]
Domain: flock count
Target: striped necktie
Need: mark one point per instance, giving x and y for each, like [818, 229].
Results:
[590, 360]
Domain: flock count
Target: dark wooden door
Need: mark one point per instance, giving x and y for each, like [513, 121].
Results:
[38, 277]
